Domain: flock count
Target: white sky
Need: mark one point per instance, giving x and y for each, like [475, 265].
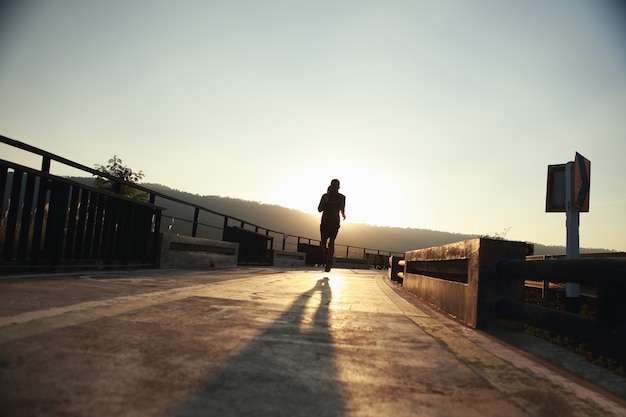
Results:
[433, 114]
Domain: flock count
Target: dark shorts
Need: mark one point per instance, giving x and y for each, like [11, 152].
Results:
[329, 230]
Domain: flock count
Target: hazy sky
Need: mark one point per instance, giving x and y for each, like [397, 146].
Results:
[433, 114]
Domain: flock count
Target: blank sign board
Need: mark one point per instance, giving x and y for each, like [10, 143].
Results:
[555, 195]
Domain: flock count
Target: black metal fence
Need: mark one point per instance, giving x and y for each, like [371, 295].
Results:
[48, 222]
[604, 277]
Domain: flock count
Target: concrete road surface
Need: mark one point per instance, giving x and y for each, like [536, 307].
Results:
[260, 342]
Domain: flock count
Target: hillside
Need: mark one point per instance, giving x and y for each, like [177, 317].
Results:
[295, 222]
[298, 223]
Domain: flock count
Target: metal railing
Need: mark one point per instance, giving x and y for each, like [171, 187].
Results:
[188, 219]
[481, 281]
[51, 223]
[604, 276]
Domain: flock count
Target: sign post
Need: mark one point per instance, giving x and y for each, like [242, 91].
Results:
[568, 191]
[572, 248]
[572, 215]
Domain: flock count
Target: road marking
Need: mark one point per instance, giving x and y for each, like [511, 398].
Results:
[37, 322]
[33, 323]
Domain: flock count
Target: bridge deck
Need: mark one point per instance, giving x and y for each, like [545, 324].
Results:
[260, 342]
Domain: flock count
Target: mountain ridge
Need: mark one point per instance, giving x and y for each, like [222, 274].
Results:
[299, 223]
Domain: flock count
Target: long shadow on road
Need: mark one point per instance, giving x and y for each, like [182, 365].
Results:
[288, 370]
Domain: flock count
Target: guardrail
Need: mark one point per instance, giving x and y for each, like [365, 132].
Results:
[197, 221]
[481, 281]
[604, 276]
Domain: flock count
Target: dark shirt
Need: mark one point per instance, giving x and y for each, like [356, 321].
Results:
[331, 204]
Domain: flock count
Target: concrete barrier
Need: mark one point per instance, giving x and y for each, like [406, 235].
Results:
[283, 258]
[349, 263]
[460, 278]
[191, 252]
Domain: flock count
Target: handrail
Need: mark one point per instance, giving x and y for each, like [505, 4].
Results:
[57, 158]
[48, 175]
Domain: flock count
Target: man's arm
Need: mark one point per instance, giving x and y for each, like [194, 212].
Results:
[322, 205]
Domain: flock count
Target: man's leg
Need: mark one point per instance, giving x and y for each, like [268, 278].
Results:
[323, 248]
[330, 253]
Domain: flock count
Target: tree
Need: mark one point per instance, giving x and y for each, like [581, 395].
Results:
[124, 173]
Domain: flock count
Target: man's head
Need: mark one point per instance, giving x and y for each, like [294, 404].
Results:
[335, 184]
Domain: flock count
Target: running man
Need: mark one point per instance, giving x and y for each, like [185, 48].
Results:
[331, 205]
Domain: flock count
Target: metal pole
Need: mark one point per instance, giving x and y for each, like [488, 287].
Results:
[196, 216]
[545, 289]
[572, 251]
[45, 164]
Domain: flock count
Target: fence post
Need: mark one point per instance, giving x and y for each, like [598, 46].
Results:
[45, 164]
[545, 288]
[196, 216]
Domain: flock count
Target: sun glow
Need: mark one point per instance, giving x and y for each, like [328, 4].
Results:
[371, 197]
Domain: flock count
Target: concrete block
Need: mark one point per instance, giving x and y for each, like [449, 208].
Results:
[283, 258]
[191, 252]
[459, 278]
[349, 263]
